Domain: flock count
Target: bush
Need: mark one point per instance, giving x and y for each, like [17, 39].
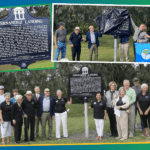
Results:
[84, 26]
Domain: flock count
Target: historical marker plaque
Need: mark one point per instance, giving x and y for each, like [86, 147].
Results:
[24, 38]
[85, 83]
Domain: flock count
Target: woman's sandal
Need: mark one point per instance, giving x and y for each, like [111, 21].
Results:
[149, 137]
[3, 144]
[9, 142]
[100, 138]
[145, 135]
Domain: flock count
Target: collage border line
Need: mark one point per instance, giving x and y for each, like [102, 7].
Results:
[51, 5]
[54, 67]
[75, 144]
[88, 4]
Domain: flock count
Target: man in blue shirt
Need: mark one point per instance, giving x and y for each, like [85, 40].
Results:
[92, 37]
[15, 92]
[46, 112]
[124, 47]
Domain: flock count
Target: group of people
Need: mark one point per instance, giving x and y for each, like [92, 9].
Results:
[33, 110]
[75, 40]
[122, 107]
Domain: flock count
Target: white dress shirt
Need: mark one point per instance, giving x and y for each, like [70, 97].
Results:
[37, 95]
[46, 104]
[2, 98]
[93, 40]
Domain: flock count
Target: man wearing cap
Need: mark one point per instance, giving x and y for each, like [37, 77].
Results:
[37, 119]
[29, 106]
[60, 41]
[132, 99]
[92, 37]
[137, 88]
[46, 112]
[75, 41]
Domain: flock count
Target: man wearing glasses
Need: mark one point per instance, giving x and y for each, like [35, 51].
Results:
[46, 112]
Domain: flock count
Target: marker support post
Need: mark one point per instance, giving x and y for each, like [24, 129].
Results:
[115, 48]
[86, 117]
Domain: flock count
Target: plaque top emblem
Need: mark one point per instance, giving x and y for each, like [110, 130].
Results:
[19, 13]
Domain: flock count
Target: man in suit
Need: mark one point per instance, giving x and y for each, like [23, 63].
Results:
[92, 37]
[46, 112]
[139, 34]
[37, 119]
[16, 114]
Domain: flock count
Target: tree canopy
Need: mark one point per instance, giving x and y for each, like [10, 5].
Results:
[83, 15]
[58, 78]
[37, 11]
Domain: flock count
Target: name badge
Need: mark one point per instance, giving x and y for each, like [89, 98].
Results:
[146, 96]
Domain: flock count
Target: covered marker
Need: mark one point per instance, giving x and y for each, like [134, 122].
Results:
[116, 22]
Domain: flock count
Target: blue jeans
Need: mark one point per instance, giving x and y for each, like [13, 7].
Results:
[62, 48]
[136, 109]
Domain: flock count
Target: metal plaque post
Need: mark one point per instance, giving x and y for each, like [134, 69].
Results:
[86, 117]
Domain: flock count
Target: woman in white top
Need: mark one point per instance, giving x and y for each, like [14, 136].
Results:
[121, 103]
[110, 94]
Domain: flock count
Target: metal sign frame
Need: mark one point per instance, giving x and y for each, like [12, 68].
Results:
[85, 97]
[80, 74]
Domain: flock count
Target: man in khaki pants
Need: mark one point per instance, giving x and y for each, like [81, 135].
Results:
[46, 112]
[92, 37]
[124, 47]
[132, 99]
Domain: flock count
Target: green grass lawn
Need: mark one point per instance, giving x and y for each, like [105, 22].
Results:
[105, 50]
[76, 125]
[37, 65]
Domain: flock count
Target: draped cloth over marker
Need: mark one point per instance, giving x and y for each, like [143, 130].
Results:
[117, 21]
